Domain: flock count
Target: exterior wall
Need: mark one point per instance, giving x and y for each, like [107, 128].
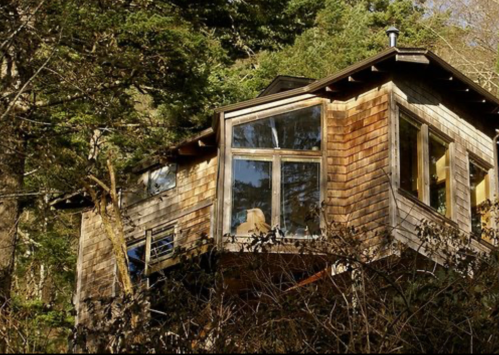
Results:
[360, 169]
[358, 161]
[190, 205]
[427, 106]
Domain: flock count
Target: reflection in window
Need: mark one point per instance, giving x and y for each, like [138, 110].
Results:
[162, 244]
[479, 195]
[300, 198]
[439, 175]
[297, 130]
[251, 196]
[409, 176]
[162, 179]
[137, 262]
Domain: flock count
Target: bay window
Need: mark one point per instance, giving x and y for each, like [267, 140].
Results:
[276, 172]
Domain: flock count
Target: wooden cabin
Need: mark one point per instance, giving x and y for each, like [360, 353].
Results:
[392, 140]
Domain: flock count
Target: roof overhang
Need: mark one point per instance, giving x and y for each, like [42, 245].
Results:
[480, 100]
[193, 146]
[284, 83]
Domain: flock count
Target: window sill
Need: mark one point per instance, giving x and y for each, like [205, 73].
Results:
[427, 208]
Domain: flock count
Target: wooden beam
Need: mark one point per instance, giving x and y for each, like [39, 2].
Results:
[351, 79]
[331, 88]
[461, 90]
[188, 150]
[478, 101]
[412, 58]
[205, 144]
[376, 69]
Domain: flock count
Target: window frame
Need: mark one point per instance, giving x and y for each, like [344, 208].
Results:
[149, 182]
[147, 242]
[486, 167]
[276, 156]
[423, 151]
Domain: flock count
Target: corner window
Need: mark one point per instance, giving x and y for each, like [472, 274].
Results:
[479, 194]
[424, 163]
[276, 174]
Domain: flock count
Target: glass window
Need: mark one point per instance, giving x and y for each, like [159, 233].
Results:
[296, 130]
[439, 175]
[137, 262]
[479, 194]
[251, 196]
[300, 198]
[162, 244]
[409, 173]
[162, 179]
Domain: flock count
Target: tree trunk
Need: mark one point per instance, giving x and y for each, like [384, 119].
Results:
[12, 148]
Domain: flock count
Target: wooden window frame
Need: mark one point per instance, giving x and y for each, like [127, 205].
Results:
[276, 156]
[423, 148]
[147, 242]
[488, 168]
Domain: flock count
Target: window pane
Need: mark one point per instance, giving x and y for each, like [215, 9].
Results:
[408, 156]
[162, 179]
[300, 198]
[479, 194]
[297, 130]
[137, 263]
[251, 196]
[439, 168]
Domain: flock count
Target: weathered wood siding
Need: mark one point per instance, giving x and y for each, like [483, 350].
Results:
[427, 105]
[358, 161]
[189, 206]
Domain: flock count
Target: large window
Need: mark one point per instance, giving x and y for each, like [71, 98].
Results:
[425, 165]
[479, 193]
[276, 173]
[296, 130]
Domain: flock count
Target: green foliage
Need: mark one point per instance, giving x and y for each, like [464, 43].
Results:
[344, 33]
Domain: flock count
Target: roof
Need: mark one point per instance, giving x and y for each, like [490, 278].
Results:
[284, 83]
[408, 55]
[189, 146]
